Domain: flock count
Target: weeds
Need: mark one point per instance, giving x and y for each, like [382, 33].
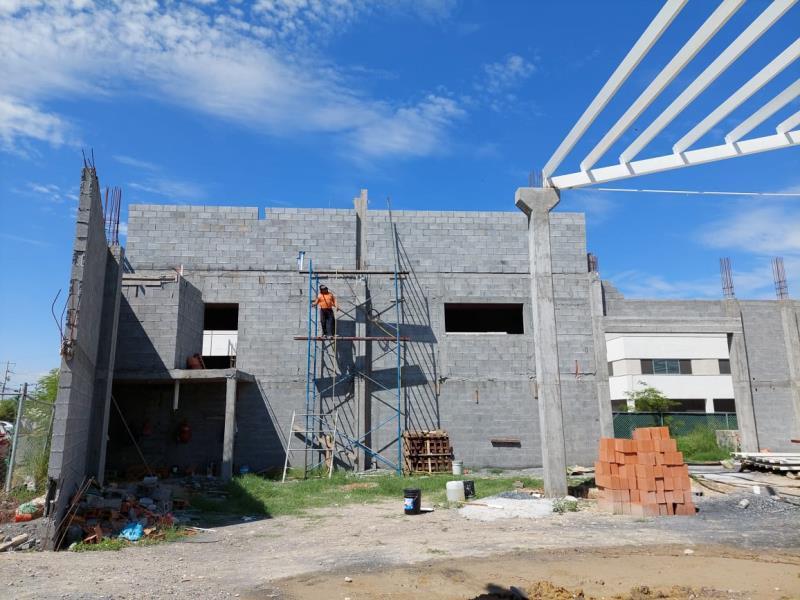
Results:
[700, 445]
[562, 505]
[253, 495]
[113, 544]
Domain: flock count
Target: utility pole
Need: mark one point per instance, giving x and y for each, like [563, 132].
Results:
[6, 377]
[20, 405]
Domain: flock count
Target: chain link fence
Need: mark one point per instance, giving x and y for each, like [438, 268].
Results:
[29, 453]
[680, 423]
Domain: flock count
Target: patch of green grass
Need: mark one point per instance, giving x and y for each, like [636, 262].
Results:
[113, 544]
[701, 445]
[253, 495]
[562, 505]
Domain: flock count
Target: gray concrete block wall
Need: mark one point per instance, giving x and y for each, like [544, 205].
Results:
[452, 256]
[76, 405]
[148, 327]
[776, 421]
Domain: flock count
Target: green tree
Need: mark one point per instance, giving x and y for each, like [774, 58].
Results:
[650, 399]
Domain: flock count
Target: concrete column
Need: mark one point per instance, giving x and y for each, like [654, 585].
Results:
[791, 336]
[113, 300]
[740, 374]
[360, 383]
[230, 428]
[601, 388]
[537, 204]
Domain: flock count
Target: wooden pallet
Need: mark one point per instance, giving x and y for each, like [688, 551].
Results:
[427, 452]
[782, 462]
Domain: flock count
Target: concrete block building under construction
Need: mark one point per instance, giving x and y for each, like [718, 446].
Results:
[490, 325]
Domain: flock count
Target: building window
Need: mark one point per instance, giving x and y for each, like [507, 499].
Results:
[483, 318]
[610, 369]
[724, 405]
[666, 366]
[619, 406]
[220, 335]
[724, 366]
[689, 405]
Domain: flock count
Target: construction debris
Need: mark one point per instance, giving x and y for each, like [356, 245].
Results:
[130, 511]
[780, 462]
[645, 476]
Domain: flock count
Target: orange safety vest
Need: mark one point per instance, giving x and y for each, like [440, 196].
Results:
[326, 300]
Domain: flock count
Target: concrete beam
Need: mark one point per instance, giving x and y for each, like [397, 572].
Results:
[537, 204]
[230, 428]
[187, 375]
[672, 325]
[362, 347]
[740, 373]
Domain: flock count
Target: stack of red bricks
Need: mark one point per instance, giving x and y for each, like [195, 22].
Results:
[645, 476]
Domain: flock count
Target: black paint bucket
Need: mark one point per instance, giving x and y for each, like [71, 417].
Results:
[469, 489]
[412, 501]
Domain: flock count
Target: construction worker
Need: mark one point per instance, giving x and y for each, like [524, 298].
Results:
[327, 303]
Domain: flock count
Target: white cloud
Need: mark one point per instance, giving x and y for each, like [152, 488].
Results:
[231, 62]
[170, 188]
[20, 121]
[50, 192]
[135, 162]
[23, 240]
[597, 206]
[755, 231]
[773, 229]
[507, 74]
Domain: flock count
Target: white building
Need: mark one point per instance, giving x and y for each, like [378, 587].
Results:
[693, 369]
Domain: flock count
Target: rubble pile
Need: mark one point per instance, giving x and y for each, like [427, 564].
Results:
[130, 511]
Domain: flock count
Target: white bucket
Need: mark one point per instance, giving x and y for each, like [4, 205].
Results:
[458, 467]
[455, 491]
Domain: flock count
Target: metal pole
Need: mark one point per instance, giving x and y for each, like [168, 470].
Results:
[397, 349]
[308, 368]
[20, 405]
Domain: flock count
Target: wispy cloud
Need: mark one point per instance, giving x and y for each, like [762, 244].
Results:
[170, 188]
[752, 232]
[597, 206]
[50, 192]
[135, 162]
[498, 80]
[23, 240]
[22, 121]
[245, 64]
[506, 74]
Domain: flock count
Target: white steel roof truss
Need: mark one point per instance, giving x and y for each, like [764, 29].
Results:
[640, 49]
[787, 134]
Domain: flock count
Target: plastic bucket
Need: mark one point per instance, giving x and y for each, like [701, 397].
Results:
[412, 501]
[455, 491]
[458, 467]
[469, 489]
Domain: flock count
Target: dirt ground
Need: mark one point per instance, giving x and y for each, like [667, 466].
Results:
[636, 573]
[436, 555]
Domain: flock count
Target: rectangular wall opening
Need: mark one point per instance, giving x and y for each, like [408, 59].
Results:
[484, 318]
[220, 335]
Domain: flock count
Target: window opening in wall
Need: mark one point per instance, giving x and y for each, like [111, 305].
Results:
[619, 406]
[220, 335]
[724, 366]
[689, 405]
[483, 318]
[724, 405]
[610, 369]
[666, 366]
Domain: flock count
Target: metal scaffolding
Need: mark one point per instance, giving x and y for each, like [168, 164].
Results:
[331, 374]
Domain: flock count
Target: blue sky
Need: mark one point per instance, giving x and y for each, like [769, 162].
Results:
[441, 104]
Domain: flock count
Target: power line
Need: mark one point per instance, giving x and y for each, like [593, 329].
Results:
[700, 193]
